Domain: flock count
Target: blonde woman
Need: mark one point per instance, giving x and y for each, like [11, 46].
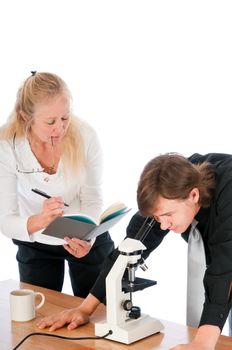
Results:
[44, 146]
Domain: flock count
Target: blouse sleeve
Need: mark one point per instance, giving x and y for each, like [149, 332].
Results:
[12, 224]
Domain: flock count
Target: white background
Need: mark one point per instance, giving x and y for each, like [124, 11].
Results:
[150, 76]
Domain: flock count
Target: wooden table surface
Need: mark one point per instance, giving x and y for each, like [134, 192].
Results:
[11, 333]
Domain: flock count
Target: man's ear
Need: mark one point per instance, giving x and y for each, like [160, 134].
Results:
[194, 195]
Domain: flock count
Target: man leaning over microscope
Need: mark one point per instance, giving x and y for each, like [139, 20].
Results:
[178, 191]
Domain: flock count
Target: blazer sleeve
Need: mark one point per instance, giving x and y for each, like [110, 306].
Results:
[218, 276]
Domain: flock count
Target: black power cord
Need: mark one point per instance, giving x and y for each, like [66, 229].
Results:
[61, 337]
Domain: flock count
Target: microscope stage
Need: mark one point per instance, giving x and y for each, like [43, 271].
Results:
[139, 284]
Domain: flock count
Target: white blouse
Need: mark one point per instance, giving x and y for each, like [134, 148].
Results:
[18, 202]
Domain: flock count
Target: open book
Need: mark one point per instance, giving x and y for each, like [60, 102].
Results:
[85, 227]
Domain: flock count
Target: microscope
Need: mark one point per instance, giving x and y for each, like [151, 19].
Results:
[125, 321]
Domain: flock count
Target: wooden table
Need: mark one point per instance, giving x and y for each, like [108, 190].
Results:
[11, 333]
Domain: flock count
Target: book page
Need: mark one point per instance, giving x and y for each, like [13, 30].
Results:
[112, 211]
[81, 217]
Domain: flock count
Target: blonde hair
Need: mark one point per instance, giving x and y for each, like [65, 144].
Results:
[40, 88]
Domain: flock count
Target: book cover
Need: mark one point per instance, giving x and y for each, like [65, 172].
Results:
[83, 226]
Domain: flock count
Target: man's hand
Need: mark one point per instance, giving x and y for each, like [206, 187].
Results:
[73, 317]
[205, 339]
[191, 346]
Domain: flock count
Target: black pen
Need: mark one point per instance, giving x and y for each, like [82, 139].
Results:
[43, 194]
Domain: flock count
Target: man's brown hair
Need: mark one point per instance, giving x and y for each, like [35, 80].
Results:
[172, 176]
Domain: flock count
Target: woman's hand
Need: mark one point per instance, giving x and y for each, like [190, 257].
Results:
[77, 247]
[51, 209]
[73, 317]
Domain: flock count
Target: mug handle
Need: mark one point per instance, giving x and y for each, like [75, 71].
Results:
[42, 301]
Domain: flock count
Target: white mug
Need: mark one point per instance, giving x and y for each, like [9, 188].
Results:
[22, 304]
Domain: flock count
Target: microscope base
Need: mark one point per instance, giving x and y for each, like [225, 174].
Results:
[130, 331]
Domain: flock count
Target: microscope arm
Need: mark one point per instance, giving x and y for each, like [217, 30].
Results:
[114, 290]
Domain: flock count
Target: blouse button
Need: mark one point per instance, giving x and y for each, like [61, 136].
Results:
[221, 316]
